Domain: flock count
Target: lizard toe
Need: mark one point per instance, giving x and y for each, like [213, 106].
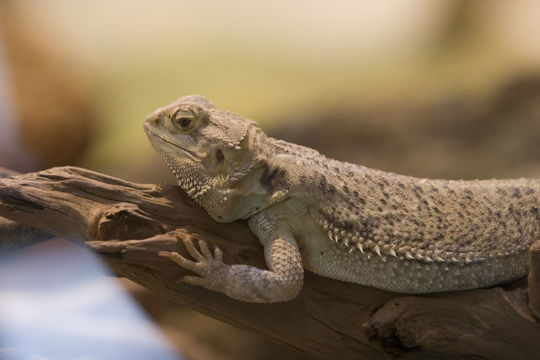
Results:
[205, 250]
[195, 254]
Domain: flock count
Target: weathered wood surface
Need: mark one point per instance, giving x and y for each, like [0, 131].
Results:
[534, 279]
[14, 235]
[128, 223]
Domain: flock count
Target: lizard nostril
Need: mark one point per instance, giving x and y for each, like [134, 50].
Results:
[156, 120]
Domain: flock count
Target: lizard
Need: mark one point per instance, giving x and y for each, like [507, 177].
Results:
[339, 220]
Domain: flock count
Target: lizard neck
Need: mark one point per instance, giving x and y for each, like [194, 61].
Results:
[259, 144]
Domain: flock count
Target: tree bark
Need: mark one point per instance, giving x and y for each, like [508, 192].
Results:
[128, 224]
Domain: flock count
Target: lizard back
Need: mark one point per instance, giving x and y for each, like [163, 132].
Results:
[392, 220]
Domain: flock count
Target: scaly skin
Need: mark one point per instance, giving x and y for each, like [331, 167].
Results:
[339, 220]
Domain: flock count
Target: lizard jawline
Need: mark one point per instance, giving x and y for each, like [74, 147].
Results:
[184, 150]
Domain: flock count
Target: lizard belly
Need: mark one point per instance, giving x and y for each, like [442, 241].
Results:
[337, 261]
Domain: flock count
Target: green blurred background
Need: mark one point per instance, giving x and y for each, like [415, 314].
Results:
[446, 88]
[270, 60]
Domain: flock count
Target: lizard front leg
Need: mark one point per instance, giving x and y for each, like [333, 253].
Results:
[282, 282]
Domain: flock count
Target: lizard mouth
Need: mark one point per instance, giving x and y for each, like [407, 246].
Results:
[189, 153]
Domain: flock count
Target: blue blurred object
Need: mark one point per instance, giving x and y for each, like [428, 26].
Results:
[56, 302]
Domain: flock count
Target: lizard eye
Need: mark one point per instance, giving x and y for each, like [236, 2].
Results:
[183, 120]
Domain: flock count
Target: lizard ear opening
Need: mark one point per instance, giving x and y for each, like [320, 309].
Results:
[220, 157]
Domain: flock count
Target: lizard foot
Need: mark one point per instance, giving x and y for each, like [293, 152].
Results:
[239, 281]
[210, 267]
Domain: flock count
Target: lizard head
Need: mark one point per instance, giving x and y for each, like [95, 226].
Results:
[210, 151]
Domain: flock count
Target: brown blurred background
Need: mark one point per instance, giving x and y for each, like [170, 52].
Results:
[437, 89]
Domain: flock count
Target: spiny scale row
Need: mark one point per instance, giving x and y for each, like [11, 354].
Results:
[235, 146]
[354, 240]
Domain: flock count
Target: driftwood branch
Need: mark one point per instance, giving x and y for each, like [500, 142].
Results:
[128, 223]
[534, 279]
[14, 235]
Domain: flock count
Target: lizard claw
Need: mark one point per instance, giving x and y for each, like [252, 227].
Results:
[210, 268]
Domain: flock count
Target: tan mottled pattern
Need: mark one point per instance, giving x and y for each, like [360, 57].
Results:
[341, 220]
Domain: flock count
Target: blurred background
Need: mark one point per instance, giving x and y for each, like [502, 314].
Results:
[437, 89]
